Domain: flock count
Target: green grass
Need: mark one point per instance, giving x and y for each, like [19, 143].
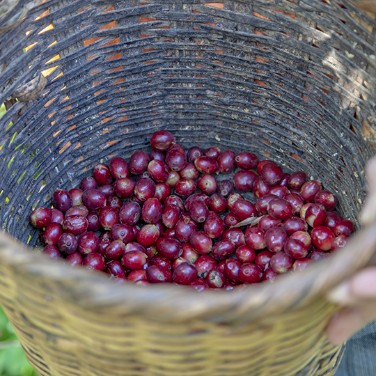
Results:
[13, 361]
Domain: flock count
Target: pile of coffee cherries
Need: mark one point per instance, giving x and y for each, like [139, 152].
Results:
[200, 217]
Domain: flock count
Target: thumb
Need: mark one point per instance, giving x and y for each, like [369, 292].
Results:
[367, 5]
[348, 321]
[358, 289]
[358, 297]
[368, 213]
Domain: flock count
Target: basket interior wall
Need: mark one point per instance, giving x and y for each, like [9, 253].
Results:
[290, 81]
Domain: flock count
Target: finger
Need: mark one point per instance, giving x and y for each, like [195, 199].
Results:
[358, 289]
[363, 285]
[370, 173]
[343, 325]
[368, 212]
[348, 321]
[367, 5]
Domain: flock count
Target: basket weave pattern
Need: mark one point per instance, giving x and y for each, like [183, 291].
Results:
[83, 81]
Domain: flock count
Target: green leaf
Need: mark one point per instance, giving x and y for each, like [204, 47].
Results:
[13, 361]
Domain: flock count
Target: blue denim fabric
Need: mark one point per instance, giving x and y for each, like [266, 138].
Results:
[359, 358]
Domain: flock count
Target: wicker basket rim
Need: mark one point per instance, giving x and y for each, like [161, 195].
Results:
[92, 290]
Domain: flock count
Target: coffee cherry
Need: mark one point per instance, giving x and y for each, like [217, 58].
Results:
[271, 173]
[245, 254]
[244, 180]
[176, 159]
[151, 210]
[296, 180]
[67, 243]
[93, 199]
[88, 243]
[214, 225]
[76, 196]
[204, 264]
[162, 140]
[246, 160]
[206, 165]
[76, 224]
[134, 260]
[215, 279]
[169, 248]
[201, 242]
[158, 171]
[102, 174]
[255, 238]
[250, 273]
[130, 213]
[138, 162]
[52, 233]
[94, 261]
[156, 274]
[184, 274]
[322, 238]
[41, 217]
[61, 200]
[189, 218]
[119, 168]
[275, 239]
[207, 184]
[226, 161]
[194, 152]
[281, 262]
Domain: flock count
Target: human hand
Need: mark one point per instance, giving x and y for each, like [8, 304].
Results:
[367, 5]
[358, 294]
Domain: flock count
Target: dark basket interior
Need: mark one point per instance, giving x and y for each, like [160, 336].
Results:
[293, 81]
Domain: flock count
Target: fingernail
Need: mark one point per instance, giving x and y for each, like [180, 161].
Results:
[340, 294]
[368, 214]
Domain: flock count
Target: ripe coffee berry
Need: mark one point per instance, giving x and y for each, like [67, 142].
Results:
[199, 217]
[322, 238]
[204, 264]
[162, 140]
[41, 217]
[245, 254]
[271, 173]
[169, 248]
[134, 260]
[62, 200]
[250, 273]
[184, 274]
[244, 180]
[76, 196]
[102, 174]
[226, 161]
[296, 180]
[246, 160]
[52, 233]
[214, 225]
[255, 238]
[88, 243]
[119, 168]
[74, 259]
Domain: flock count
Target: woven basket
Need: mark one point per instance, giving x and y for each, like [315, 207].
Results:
[83, 81]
